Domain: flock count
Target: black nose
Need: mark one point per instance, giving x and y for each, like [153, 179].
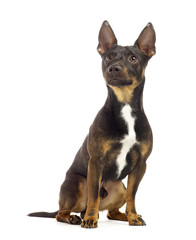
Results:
[115, 70]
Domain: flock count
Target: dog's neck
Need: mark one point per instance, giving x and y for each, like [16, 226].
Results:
[126, 95]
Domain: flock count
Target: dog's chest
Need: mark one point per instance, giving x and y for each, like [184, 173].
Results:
[129, 139]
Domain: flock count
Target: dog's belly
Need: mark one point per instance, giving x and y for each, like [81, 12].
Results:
[128, 141]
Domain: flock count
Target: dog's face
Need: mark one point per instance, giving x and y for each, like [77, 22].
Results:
[125, 66]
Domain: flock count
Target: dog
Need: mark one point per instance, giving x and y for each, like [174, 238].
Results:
[119, 141]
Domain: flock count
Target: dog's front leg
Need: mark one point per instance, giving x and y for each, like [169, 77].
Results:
[93, 182]
[134, 179]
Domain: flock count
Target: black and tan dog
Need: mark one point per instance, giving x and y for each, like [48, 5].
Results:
[119, 141]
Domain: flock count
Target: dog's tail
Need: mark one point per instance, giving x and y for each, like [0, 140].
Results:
[43, 214]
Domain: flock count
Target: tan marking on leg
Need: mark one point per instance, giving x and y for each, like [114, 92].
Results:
[130, 199]
[145, 148]
[134, 179]
[106, 145]
[64, 216]
[135, 220]
[134, 155]
[115, 214]
[91, 216]
[93, 181]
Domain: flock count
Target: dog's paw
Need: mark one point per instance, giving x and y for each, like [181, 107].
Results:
[90, 222]
[67, 218]
[135, 220]
[74, 219]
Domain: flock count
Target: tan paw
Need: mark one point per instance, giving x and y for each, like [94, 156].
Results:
[67, 218]
[90, 222]
[135, 220]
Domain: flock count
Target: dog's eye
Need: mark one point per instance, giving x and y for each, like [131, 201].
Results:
[109, 58]
[133, 59]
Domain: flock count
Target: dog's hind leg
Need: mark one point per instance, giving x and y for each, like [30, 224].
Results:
[115, 214]
[115, 199]
[73, 198]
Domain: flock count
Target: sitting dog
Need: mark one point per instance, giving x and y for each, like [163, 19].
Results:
[119, 140]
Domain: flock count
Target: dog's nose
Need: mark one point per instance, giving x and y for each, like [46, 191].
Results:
[115, 70]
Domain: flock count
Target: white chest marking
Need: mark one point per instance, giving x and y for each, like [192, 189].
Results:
[129, 139]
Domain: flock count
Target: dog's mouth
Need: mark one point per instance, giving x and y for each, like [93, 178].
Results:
[119, 82]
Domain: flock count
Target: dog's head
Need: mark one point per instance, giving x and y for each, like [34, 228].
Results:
[125, 66]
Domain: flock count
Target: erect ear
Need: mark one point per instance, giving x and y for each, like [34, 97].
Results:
[146, 40]
[106, 38]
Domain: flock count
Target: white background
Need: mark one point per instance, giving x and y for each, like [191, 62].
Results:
[51, 88]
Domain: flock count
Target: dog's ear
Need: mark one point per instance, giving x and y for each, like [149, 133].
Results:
[106, 38]
[146, 40]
